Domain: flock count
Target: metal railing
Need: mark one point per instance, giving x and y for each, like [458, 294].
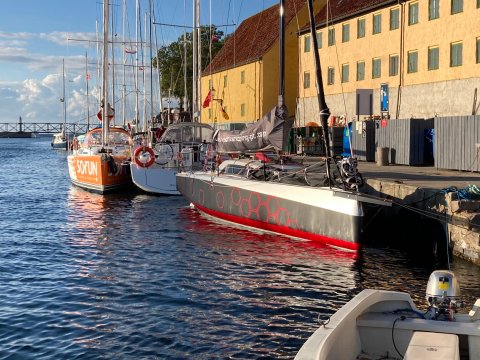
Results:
[44, 128]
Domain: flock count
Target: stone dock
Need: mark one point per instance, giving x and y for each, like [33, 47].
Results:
[430, 196]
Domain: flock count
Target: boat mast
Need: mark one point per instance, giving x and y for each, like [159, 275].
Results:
[197, 62]
[281, 85]
[86, 84]
[322, 105]
[105, 124]
[63, 99]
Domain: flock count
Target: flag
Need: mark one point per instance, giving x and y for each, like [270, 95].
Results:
[130, 51]
[224, 114]
[215, 38]
[88, 76]
[208, 99]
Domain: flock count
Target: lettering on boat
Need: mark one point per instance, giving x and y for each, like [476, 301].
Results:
[85, 167]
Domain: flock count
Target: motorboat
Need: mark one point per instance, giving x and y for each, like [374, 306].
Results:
[379, 324]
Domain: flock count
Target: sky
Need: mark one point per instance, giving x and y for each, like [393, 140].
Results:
[37, 35]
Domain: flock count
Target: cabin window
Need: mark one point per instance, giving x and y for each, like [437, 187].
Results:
[360, 28]
[377, 23]
[331, 36]
[306, 80]
[393, 65]
[433, 9]
[456, 50]
[225, 81]
[360, 70]
[457, 6]
[433, 58]
[331, 76]
[413, 13]
[242, 77]
[394, 19]
[242, 110]
[306, 43]
[412, 59]
[376, 68]
[345, 33]
[478, 50]
[319, 40]
[345, 73]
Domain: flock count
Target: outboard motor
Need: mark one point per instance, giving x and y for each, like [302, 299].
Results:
[348, 167]
[443, 295]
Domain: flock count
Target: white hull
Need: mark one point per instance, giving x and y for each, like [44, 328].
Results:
[155, 179]
[370, 326]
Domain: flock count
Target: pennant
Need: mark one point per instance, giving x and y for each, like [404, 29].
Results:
[130, 51]
[224, 114]
[208, 99]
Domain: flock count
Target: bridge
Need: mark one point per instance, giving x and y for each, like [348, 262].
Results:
[42, 128]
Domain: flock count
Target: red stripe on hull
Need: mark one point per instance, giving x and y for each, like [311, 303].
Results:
[283, 230]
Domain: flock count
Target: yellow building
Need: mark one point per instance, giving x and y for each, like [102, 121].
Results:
[244, 75]
[426, 52]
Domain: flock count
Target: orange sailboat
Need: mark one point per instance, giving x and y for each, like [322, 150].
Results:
[98, 161]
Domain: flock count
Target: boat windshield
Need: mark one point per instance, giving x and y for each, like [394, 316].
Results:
[115, 137]
[187, 133]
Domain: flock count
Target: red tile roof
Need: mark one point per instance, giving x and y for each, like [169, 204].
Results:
[340, 10]
[253, 37]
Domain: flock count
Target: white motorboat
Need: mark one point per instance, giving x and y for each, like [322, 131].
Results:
[378, 324]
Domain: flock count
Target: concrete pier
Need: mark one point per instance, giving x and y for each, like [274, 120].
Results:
[429, 191]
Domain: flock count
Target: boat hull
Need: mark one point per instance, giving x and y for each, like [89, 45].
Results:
[303, 212]
[155, 179]
[96, 173]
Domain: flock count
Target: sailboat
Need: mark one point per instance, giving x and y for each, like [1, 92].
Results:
[97, 162]
[60, 139]
[180, 146]
[260, 189]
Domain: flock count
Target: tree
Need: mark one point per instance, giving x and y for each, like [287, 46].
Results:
[171, 60]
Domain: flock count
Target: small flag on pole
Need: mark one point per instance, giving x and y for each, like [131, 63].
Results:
[208, 99]
[224, 113]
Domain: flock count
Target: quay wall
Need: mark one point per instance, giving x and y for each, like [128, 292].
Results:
[431, 206]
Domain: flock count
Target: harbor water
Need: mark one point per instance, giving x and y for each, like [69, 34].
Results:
[135, 276]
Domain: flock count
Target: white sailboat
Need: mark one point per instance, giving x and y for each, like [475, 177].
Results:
[323, 205]
[60, 139]
[97, 163]
[155, 164]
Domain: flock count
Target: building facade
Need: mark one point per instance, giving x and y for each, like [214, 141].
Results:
[244, 76]
[419, 58]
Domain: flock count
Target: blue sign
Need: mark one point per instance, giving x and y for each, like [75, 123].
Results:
[384, 98]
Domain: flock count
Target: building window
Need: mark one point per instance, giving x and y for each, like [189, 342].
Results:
[360, 28]
[306, 80]
[331, 36]
[433, 58]
[345, 73]
[360, 70]
[225, 81]
[413, 13]
[209, 113]
[478, 4]
[433, 9]
[242, 77]
[242, 110]
[457, 6]
[478, 49]
[393, 65]
[394, 19]
[345, 32]
[319, 40]
[331, 76]
[306, 44]
[456, 54]
[412, 60]
[377, 23]
[376, 68]
[210, 84]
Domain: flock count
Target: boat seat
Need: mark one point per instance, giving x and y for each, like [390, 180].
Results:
[435, 346]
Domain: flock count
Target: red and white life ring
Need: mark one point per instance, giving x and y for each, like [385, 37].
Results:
[144, 156]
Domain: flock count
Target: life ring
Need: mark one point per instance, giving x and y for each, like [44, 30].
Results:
[139, 156]
[218, 159]
[180, 156]
[75, 143]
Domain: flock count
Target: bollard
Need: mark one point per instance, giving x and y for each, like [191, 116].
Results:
[382, 156]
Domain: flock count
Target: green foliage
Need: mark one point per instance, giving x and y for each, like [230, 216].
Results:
[171, 62]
